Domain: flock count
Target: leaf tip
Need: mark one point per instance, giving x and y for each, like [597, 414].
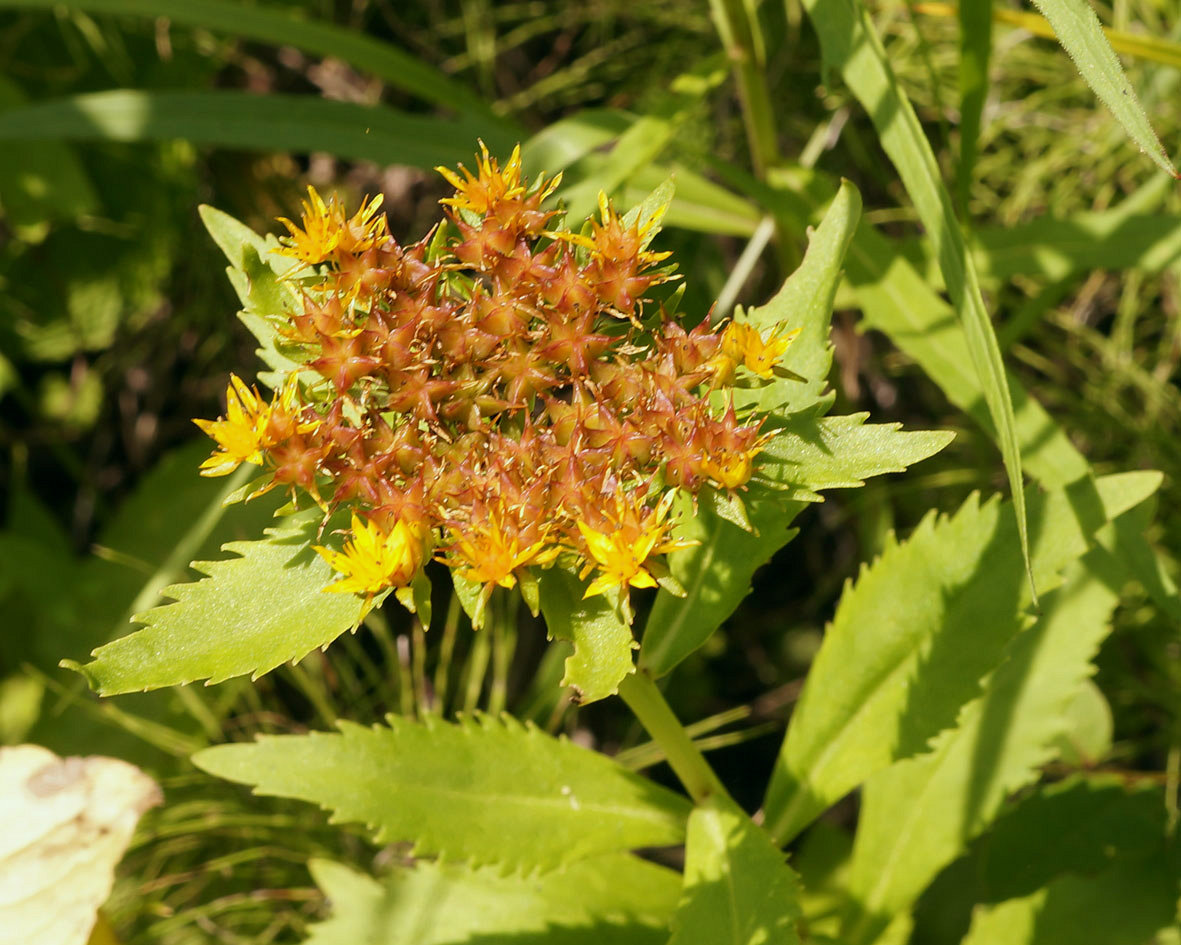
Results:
[84, 671]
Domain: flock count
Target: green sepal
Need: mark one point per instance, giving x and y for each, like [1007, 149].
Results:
[473, 598]
[530, 590]
[651, 210]
[248, 490]
[416, 597]
[728, 506]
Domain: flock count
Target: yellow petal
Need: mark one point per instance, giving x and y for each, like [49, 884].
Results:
[604, 582]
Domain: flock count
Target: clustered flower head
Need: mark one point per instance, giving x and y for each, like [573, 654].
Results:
[500, 395]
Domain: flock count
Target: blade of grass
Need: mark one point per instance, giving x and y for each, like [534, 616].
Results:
[573, 144]
[1080, 34]
[850, 42]
[738, 29]
[637, 147]
[1056, 248]
[975, 53]
[1093, 47]
[284, 27]
[255, 122]
[1148, 48]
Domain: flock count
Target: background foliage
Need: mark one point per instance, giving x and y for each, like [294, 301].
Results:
[119, 117]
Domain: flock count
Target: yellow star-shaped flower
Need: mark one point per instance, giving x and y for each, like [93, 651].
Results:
[621, 554]
[246, 431]
[490, 555]
[376, 559]
[326, 229]
[743, 344]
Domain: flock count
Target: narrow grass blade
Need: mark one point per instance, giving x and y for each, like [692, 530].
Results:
[1054, 249]
[975, 52]
[574, 145]
[285, 27]
[1080, 34]
[1148, 48]
[256, 122]
[850, 42]
[1074, 24]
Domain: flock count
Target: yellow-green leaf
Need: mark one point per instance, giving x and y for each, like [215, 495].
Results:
[483, 790]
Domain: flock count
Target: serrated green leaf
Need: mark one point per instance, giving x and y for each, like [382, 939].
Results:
[1080, 34]
[919, 814]
[1129, 554]
[738, 888]
[894, 670]
[1089, 728]
[897, 300]
[232, 236]
[822, 860]
[805, 302]
[717, 571]
[850, 42]
[250, 614]
[481, 791]
[1081, 825]
[257, 274]
[171, 518]
[602, 638]
[612, 898]
[809, 453]
[1125, 905]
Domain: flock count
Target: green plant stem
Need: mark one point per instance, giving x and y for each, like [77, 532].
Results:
[742, 269]
[645, 699]
[740, 35]
[477, 669]
[446, 651]
[418, 666]
[504, 642]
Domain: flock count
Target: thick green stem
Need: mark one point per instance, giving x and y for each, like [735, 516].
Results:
[446, 650]
[741, 38]
[643, 697]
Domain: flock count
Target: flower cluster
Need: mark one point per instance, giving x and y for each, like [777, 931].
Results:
[500, 394]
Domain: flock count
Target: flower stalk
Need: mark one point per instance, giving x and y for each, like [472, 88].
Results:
[647, 702]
